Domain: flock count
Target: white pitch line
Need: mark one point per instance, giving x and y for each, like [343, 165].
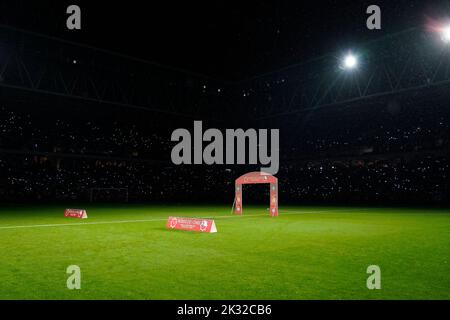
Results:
[78, 224]
[322, 211]
[161, 219]
[111, 222]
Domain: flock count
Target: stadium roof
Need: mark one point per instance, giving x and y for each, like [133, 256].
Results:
[222, 39]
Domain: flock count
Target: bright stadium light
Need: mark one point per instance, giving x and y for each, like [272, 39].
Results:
[349, 62]
[445, 34]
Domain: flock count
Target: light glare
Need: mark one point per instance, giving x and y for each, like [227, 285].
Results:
[350, 61]
[446, 34]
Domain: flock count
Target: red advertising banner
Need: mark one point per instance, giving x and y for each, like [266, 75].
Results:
[75, 213]
[256, 177]
[191, 224]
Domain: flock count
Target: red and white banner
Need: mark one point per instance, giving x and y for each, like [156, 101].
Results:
[257, 177]
[75, 213]
[191, 224]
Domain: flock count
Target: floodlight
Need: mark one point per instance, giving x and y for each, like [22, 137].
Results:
[350, 62]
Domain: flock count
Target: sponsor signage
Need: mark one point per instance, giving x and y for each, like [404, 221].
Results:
[191, 224]
[75, 213]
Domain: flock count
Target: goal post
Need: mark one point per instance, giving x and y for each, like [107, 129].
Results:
[234, 204]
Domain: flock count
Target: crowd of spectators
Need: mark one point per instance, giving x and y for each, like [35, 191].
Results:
[402, 158]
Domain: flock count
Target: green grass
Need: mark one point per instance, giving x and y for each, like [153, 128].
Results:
[310, 253]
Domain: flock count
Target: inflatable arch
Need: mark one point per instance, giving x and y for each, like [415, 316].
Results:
[257, 177]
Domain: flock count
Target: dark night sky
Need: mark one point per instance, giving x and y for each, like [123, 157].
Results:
[224, 39]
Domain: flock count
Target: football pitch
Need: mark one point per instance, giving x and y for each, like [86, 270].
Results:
[125, 252]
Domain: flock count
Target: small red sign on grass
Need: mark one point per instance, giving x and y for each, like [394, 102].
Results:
[75, 213]
[191, 224]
